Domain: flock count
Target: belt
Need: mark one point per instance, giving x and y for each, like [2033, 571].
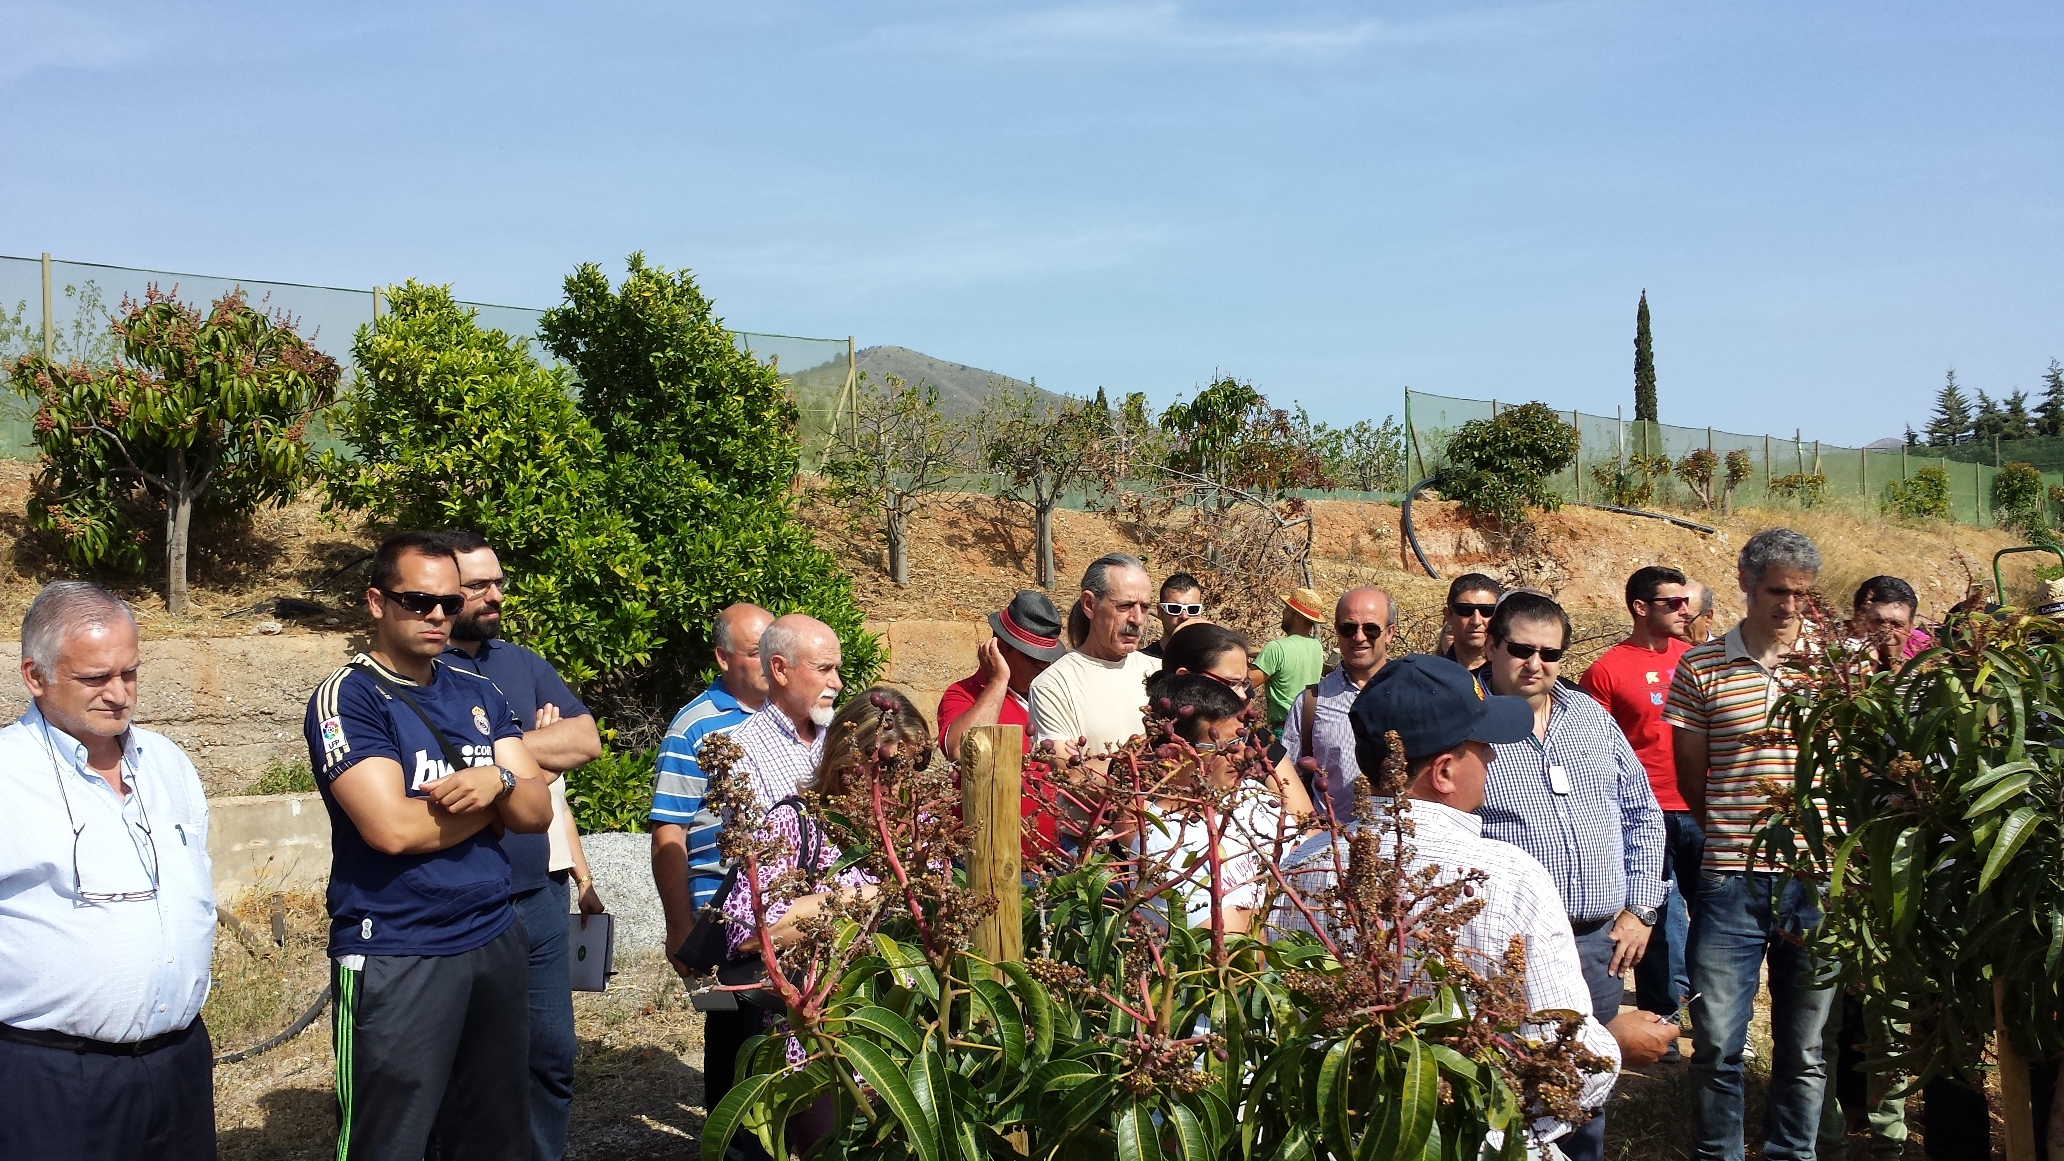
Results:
[80, 1044]
[1587, 926]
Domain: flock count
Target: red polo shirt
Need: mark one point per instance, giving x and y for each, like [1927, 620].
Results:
[1632, 684]
[958, 699]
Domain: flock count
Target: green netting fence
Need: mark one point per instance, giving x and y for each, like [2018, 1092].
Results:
[1856, 474]
[64, 307]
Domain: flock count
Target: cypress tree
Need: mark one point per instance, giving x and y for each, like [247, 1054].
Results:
[1644, 365]
[1951, 423]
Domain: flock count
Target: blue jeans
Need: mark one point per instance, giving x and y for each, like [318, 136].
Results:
[543, 915]
[1661, 979]
[1734, 929]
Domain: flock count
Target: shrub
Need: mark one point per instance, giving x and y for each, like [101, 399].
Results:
[283, 778]
[1739, 468]
[613, 793]
[2017, 497]
[1924, 495]
[1808, 488]
[1697, 469]
[197, 410]
[620, 557]
[1499, 468]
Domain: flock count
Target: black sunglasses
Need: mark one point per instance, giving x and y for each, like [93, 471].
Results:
[421, 603]
[1522, 652]
[1372, 629]
[1461, 609]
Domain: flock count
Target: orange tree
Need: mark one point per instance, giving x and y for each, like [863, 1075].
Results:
[198, 411]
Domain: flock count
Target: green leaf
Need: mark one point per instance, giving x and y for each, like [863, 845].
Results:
[1405, 1134]
[2007, 789]
[1010, 1027]
[1330, 1096]
[1038, 1005]
[2017, 830]
[881, 1073]
[883, 1022]
[929, 1085]
[1191, 1142]
[723, 1120]
[1139, 1139]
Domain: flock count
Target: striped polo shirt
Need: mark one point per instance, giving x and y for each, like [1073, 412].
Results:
[1723, 692]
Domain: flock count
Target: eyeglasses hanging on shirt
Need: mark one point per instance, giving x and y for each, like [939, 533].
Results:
[150, 842]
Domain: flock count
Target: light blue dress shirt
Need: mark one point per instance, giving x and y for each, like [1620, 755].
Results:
[117, 971]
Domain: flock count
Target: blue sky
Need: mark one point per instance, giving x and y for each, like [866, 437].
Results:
[1829, 204]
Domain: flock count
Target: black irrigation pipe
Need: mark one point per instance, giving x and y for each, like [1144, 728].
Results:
[1679, 521]
[1413, 538]
[322, 1000]
[1406, 521]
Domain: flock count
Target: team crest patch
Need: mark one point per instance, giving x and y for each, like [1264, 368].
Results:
[333, 743]
[480, 719]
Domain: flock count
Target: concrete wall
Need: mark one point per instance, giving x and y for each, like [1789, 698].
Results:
[927, 656]
[273, 841]
[234, 703]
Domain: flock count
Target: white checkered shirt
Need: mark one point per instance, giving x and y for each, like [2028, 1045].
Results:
[1519, 899]
[781, 762]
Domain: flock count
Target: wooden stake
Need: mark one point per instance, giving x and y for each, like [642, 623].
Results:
[49, 331]
[2017, 1111]
[992, 793]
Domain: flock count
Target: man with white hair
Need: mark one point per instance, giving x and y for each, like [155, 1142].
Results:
[107, 908]
[799, 657]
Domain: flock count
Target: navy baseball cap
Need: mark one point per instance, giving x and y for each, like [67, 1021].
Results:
[1434, 705]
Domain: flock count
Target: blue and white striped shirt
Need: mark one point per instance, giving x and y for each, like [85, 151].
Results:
[679, 789]
[1601, 837]
[118, 971]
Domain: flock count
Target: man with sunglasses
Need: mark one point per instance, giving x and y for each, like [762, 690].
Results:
[1573, 794]
[561, 735]
[422, 767]
[1632, 681]
[107, 908]
[1318, 727]
[1472, 599]
[1182, 601]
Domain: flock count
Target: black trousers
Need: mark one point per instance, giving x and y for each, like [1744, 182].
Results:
[433, 1054]
[82, 1105]
[723, 1034]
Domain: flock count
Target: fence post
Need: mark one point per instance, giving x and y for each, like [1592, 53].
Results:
[1620, 426]
[1798, 452]
[49, 331]
[1978, 492]
[1902, 461]
[1411, 446]
[992, 783]
[379, 296]
[1577, 422]
[1995, 453]
[1709, 439]
[1767, 476]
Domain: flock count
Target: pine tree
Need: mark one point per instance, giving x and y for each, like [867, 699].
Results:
[1951, 423]
[1913, 438]
[1644, 365]
[2015, 422]
[2049, 414]
[1986, 423]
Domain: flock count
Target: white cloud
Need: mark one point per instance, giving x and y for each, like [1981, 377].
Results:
[51, 37]
[1170, 27]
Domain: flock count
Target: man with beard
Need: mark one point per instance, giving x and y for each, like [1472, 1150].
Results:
[560, 733]
[783, 739]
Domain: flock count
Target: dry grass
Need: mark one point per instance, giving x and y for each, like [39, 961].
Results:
[637, 1079]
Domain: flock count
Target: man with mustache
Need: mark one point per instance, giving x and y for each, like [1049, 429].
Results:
[1094, 697]
[782, 740]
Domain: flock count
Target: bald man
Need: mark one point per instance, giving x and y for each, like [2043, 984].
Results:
[1365, 621]
[685, 865]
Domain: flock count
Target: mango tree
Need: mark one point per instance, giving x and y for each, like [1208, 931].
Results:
[1928, 800]
[196, 411]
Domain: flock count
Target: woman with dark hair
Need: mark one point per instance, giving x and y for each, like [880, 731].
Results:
[1213, 720]
[1212, 650]
[1221, 654]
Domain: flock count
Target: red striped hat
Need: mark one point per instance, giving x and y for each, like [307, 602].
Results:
[1030, 625]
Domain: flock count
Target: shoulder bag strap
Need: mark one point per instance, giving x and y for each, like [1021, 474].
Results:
[1309, 720]
[809, 840]
[451, 752]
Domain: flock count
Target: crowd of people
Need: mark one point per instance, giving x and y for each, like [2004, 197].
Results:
[1613, 816]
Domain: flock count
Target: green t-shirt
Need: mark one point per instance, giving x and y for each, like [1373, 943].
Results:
[1292, 663]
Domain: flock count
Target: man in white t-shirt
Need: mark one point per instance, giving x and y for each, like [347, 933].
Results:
[1093, 697]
